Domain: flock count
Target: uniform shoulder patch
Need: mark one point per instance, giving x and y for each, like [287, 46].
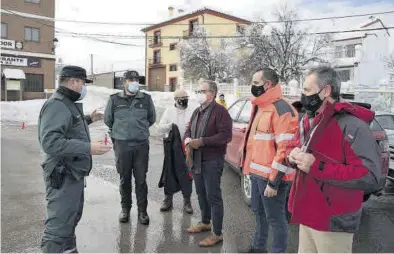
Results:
[282, 107]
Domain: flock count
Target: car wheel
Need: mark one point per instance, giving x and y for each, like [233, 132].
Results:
[246, 188]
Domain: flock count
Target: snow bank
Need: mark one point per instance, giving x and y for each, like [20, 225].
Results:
[18, 111]
[28, 111]
[96, 98]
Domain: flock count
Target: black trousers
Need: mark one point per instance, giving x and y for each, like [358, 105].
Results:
[132, 160]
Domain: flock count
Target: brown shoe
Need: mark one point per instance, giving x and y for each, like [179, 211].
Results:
[200, 227]
[211, 240]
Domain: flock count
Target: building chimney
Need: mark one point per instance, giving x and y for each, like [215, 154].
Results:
[170, 11]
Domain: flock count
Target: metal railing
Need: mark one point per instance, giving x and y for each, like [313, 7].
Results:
[153, 61]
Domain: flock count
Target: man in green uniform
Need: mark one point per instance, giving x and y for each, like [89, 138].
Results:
[63, 134]
[129, 114]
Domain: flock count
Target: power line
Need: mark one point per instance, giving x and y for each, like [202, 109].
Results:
[89, 36]
[57, 30]
[209, 24]
[216, 37]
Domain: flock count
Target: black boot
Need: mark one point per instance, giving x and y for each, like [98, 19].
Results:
[143, 218]
[167, 204]
[187, 206]
[124, 215]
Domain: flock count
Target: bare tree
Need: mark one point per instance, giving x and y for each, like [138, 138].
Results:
[389, 61]
[201, 59]
[286, 47]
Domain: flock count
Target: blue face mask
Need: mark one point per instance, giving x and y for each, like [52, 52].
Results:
[83, 92]
[133, 87]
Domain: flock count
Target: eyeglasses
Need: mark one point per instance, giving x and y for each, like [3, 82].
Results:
[202, 91]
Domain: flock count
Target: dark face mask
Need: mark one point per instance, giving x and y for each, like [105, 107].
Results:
[182, 103]
[257, 90]
[312, 102]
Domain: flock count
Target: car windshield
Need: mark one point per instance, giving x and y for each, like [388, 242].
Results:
[375, 126]
[386, 121]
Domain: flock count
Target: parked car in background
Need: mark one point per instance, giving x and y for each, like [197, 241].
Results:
[240, 112]
[386, 120]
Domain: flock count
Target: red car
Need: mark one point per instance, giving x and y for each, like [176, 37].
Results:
[240, 113]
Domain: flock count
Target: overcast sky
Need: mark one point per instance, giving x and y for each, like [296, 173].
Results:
[109, 57]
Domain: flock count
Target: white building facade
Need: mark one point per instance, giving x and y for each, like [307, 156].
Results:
[359, 57]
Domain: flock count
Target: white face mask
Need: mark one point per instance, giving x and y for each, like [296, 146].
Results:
[201, 98]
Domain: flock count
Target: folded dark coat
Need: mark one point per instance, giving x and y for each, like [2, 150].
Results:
[174, 176]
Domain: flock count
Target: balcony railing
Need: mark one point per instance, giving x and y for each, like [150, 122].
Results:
[154, 61]
[155, 43]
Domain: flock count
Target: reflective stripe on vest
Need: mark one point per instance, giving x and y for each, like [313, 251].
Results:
[284, 137]
[261, 168]
[270, 136]
[282, 168]
[264, 136]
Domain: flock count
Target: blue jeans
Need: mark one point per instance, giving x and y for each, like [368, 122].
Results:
[269, 212]
[210, 194]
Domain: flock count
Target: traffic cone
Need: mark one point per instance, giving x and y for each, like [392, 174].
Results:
[23, 125]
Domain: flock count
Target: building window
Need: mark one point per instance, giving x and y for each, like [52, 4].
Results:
[173, 67]
[350, 50]
[192, 26]
[32, 34]
[34, 83]
[4, 30]
[172, 46]
[240, 29]
[338, 51]
[157, 38]
[344, 75]
[156, 57]
[33, 1]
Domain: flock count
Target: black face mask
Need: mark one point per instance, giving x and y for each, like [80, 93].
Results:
[71, 94]
[257, 90]
[182, 103]
[312, 102]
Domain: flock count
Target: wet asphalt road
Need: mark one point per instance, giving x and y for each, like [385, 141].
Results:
[23, 208]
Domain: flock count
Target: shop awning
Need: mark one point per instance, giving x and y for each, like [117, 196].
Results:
[14, 74]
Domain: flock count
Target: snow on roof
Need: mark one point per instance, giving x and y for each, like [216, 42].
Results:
[14, 74]
[183, 15]
[365, 25]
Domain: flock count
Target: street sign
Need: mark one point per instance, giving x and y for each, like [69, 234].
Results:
[14, 61]
[7, 44]
[21, 61]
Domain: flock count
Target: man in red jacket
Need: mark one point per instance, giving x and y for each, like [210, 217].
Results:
[337, 160]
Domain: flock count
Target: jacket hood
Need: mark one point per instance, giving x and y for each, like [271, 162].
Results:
[360, 112]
